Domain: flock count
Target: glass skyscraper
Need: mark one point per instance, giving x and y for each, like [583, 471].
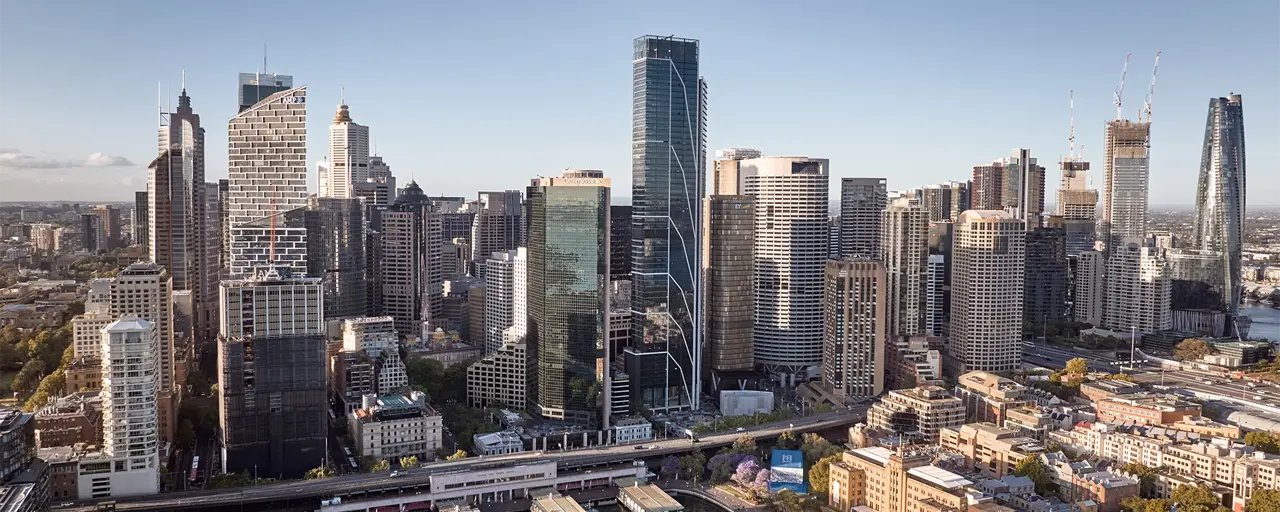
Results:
[1220, 200]
[668, 159]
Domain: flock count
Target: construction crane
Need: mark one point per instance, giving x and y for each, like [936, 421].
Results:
[1120, 88]
[1071, 138]
[1146, 105]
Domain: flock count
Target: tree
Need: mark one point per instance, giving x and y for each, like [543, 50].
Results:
[318, 472]
[1077, 366]
[1262, 440]
[51, 386]
[428, 374]
[28, 378]
[745, 475]
[908, 381]
[409, 462]
[229, 480]
[458, 455]
[815, 448]
[1192, 349]
[1139, 504]
[788, 441]
[691, 466]
[1120, 376]
[1032, 468]
[820, 474]
[1264, 500]
[670, 466]
[723, 465]
[744, 444]
[1146, 476]
[381, 465]
[761, 485]
[186, 435]
[1195, 498]
[367, 463]
[788, 501]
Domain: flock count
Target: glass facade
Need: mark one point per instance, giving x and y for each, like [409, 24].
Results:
[1220, 198]
[668, 155]
[336, 254]
[568, 274]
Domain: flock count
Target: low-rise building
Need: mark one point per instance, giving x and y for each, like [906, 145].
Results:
[988, 397]
[1207, 427]
[499, 379]
[1105, 488]
[394, 426]
[65, 421]
[497, 443]
[1145, 409]
[32, 316]
[992, 451]
[924, 409]
[912, 361]
[1032, 420]
[83, 374]
[895, 482]
[64, 462]
[1096, 390]
[628, 429]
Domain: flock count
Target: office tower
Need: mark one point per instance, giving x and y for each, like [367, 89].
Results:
[224, 225]
[268, 170]
[854, 328]
[1220, 197]
[377, 338]
[1138, 289]
[619, 242]
[833, 237]
[255, 87]
[336, 254]
[499, 379]
[728, 272]
[176, 207]
[271, 376]
[961, 198]
[1127, 158]
[457, 216]
[208, 265]
[986, 291]
[1045, 290]
[791, 253]
[348, 156]
[141, 219]
[904, 249]
[861, 201]
[1011, 182]
[130, 382]
[1077, 205]
[668, 155]
[505, 298]
[379, 190]
[108, 226]
[935, 298]
[728, 176]
[1091, 287]
[568, 286]
[412, 280]
[142, 290]
[936, 200]
[1198, 297]
[496, 227]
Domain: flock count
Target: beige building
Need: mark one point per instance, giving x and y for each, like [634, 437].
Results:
[1145, 409]
[895, 482]
[904, 249]
[989, 397]
[853, 361]
[1138, 289]
[392, 426]
[987, 267]
[500, 379]
[1090, 287]
[925, 409]
[989, 449]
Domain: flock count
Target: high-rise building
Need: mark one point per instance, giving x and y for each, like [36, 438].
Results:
[1090, 288]
[109, 226]
[208, 266]
[348, 156]
[791, 254]
[496, 227]
[1220, 197]
[176, 204]
[1077, 205]
[379, 190]
[861, 201]
[91, 232]
[1138, 289]
[986, 291]
[268, 179]
[904, 250]
[411, 277]
[224, 224]
[619, 242]
[506, 299]
[935, 304]
[833, 237]
[961, 198]
[271, 375]
[376, 337]
[130, 383]
[668, 155]
[1127, 157]
[728, 266]
[141, 219]
[936, 200]
[255, 87]
[854, 328]
[336, 254]
[142, 290]
[499, 379]
[1011, 182]
[727, 179]
[568, 293]
[1045, 291]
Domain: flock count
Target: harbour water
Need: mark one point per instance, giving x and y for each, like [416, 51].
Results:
[1266, 321]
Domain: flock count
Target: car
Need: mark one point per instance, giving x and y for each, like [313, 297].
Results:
[740, 429]
[641, 447]
[395, 474]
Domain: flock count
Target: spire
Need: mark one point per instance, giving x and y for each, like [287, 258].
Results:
[184, 82]
[342, 95]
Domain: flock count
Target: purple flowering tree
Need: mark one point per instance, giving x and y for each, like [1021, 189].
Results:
[746, 472]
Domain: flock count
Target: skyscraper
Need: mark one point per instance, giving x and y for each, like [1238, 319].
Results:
[130, 382]
[568, 292]
[142, 290]
[496, 227]
[854, 330]
[176, 205]
[861, 201]
[936, 200]
[271, 375]
[141, 220]
[986, 291]
[268, 179]
[904, 250]
[790, 252]
[728, 266]
[506, 299]
[348, 156]
[1045, 291]
[935, 302]
[336, 254]
[377, 338]
[1077, 204]
[412, 280]
[728, 176]
[620, 243]
[1011, 182]
[1220, 196]
[1089, 298]
[961, 198]
[1138, 289]
[255, 87]
[109, 226]
[1127, 154]
[668, 154]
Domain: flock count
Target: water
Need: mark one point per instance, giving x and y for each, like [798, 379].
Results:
[1266, 321]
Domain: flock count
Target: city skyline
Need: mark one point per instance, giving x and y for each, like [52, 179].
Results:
[33, 164]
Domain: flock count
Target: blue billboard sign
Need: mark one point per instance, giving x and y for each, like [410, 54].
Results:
[786, 471]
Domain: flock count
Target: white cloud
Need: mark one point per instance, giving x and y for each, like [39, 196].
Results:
[16, 159]
[105, 160]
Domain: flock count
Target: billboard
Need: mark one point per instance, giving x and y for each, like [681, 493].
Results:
[786, 471]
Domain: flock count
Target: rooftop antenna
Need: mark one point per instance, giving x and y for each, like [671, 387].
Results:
[1071, 139]
[159, 103]
[264, 58]
[168, 94]
[1146, 105]
[1120, 88]
[342, 95]
[184, 81]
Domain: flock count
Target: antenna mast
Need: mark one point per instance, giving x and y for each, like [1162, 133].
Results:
[1146, 105]
[1071, 139]
[1120, 88]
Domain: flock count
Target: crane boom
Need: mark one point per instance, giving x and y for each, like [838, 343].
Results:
[1071, 138]
[1120, 88]
[1146, 105]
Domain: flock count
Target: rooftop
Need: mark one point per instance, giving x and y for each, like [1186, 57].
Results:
[878, 454]
[1108, 479]
[939, 477]
[557, 503]
[651, 498]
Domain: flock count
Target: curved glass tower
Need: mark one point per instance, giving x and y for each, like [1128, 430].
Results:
[1220, 201]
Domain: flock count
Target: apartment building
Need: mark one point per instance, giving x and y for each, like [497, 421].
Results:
[1145, 409]
[989, 397]
[1102, 389]
[895, 482]
[926, 410]
[989, 449]
[75, 418]
[1105, 488]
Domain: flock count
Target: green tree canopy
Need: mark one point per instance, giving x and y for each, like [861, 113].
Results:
[788, 441]
[820, 474]
[1032, 468]
[1262, 440]
[381, 465]
[1192, 349]
[1077, 365]
[460, 454]
[186, 435]
[1264, 500]
[1196, 498]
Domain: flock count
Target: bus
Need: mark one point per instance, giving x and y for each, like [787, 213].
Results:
[195, 470]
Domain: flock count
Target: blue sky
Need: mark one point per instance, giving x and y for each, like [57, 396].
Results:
[464, 96]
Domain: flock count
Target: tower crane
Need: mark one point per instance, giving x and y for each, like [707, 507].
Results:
[1120, 88]
[1071, 138]
[1146, 105]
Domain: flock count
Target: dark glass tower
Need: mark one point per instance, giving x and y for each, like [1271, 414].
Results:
[619, 242]
[1220, 199]
[668, 159]
[1045, 291]
[336, 254]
